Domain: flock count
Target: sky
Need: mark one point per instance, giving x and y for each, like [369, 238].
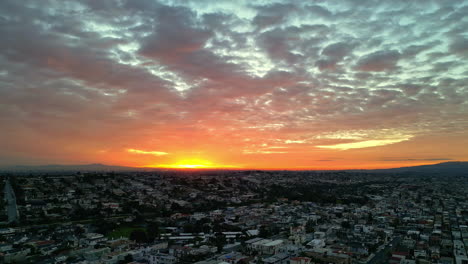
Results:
[236, 84]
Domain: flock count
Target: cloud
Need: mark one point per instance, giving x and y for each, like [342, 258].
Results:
[459, 46]
[175, 35]
[273, 14]
[338, 50]
[364, 144]
[263, 152]
[204, 74]
[279, 43]
[289, 141]
[413, 50]
[378, 61]
[152, 152]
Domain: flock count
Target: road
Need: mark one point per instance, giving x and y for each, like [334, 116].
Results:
[10, 199]
[382, 256]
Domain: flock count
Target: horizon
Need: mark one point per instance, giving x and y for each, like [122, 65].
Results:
[229, 168]
[326, 85]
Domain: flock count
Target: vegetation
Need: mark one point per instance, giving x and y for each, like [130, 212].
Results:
[125, 231]
[319, 193]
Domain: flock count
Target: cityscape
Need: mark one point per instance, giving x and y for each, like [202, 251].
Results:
[236, 216]
[234, 131]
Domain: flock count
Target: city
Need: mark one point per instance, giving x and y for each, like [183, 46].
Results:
[234, 131]
[211, 216]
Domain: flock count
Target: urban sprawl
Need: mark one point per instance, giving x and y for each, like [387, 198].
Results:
[211, 217]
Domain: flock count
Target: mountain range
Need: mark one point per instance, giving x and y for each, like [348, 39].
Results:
[56, 167]
[448, 168]
[455, 167]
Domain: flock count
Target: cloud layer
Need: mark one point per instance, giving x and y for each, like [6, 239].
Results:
[288, 82]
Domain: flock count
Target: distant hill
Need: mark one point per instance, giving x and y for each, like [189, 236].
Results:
[449, 168]
[84, 167]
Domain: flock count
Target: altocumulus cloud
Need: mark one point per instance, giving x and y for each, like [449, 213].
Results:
[209, 73]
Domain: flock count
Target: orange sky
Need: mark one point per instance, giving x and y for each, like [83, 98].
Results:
[420, 151]
[283, 85]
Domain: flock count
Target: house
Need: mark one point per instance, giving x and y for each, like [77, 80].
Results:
[255, 243]
[271, 247]
[96, 254]
[252, 232]
[232, 258]
[5, 247]
[408, 261]
[398, 256]
[297, 235]
[418, 253]
[277, 259]
[92, 239]
[7, 231]
[326, 255]
[319, 235]
[290, 250]
[358, 249]
[299, 260]
[316, 243]
[161, 258]
[15, 255]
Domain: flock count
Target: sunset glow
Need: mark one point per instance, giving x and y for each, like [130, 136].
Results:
[193, 164]
[155, 153]
[179, 131]
[234, 84]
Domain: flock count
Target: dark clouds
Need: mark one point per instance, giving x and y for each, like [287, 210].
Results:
[308, 72]
[379, 61]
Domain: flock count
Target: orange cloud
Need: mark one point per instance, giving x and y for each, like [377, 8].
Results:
[364, 144]
[154, 153]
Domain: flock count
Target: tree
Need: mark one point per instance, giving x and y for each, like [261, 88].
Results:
[370, 218]
[189, 228]
[139, 218]
[197, 240]
[220, 241]
[138, 236]
[152, 231]
[79, 231]
[175, 207]
[127, 259]
[264, 232]
[309, 228]
[346, 224]
[396, 222]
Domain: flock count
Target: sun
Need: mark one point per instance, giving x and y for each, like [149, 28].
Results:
[193, 163]
[190, 166]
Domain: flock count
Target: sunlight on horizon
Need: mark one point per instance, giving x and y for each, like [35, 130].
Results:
[193, 164]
